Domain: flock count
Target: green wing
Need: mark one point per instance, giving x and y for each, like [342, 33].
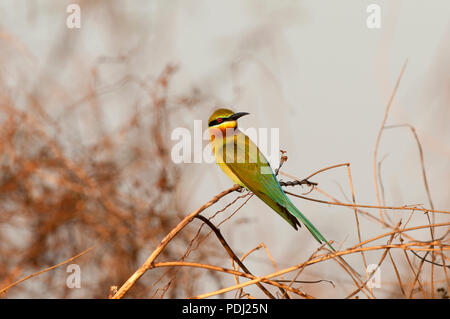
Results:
[246, 161]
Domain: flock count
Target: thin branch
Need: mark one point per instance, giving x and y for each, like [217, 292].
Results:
[316, 260]
[229, 271]
[427, 188]
[370, 206]
[148, 263]
[379, 264]
[232, 254]
[45, 270]
[377, 144]
[397, 274]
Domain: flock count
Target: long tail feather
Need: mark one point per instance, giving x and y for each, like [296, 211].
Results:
[316, 234]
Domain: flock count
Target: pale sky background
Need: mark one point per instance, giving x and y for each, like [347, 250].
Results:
[310, 68]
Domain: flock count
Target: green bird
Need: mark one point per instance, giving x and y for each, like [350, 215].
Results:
[245, 165]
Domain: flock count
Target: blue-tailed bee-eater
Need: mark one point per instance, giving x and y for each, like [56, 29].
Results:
[245, 165]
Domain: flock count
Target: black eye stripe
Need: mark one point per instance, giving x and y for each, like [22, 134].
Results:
[219, 120]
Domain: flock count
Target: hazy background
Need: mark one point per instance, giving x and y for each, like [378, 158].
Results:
[310, 68]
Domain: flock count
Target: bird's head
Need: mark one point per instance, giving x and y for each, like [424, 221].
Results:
[223, 119]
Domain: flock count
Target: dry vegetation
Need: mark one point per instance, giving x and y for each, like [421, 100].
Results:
[58, 196]
[119, 198]
[110, 204]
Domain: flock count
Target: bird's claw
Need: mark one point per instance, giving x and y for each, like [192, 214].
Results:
[307, 182]
[240, 189]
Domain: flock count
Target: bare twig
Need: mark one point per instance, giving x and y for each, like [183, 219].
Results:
[148, 263]
[45, 270]
[377, 144]
[232, 254]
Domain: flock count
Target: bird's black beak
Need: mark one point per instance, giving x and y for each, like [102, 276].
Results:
[235, 116]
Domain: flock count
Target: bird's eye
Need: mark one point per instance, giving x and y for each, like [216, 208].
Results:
[219, 120]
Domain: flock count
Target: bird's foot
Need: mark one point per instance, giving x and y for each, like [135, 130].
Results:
[298, 182]
[308, 183]
[240, 189]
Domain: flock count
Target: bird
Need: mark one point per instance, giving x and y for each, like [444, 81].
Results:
[243, 162]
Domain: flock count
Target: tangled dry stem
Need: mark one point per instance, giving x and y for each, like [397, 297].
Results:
[87, 193]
